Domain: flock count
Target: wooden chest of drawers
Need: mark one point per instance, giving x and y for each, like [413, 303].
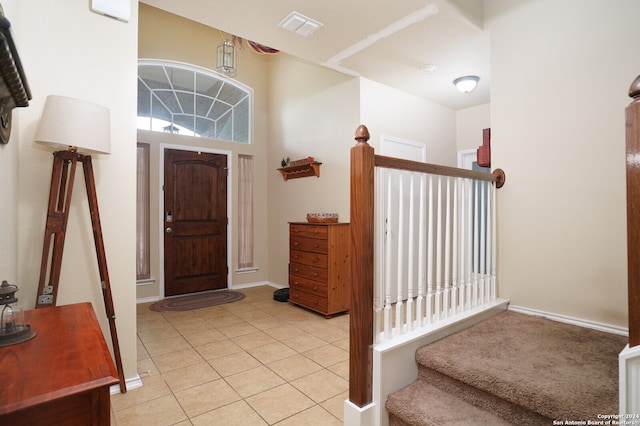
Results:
[320, 266]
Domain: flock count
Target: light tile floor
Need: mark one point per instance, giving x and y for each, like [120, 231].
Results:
[252, 362]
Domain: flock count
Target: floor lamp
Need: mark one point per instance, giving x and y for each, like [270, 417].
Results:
[76, 129]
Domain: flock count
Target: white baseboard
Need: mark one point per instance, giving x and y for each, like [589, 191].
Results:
[147, 299]
[571, 320]
[132, 383]
[256, 284]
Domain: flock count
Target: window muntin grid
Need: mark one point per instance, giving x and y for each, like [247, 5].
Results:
[188, 100]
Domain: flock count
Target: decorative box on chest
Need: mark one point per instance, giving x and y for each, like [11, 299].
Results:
[320, 266]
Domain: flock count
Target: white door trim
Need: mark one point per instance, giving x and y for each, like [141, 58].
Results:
[466, 158]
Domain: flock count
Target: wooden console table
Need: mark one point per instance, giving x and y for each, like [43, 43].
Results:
[61, 376]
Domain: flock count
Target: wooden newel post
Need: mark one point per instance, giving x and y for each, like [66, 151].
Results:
[633, 211]
[361, 308]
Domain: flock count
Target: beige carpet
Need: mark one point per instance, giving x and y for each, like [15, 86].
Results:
[526, 369]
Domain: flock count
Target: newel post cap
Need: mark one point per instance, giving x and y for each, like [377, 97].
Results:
[634, 90]
[362, 134]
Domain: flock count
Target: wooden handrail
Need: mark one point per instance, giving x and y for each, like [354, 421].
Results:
[497, 176]
[632, 113]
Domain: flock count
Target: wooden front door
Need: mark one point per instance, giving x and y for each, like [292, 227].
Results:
[195, 221]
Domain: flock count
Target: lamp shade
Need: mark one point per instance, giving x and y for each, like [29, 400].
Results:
[69, 123]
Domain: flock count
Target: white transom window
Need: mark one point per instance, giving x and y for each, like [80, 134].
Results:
[184, 99]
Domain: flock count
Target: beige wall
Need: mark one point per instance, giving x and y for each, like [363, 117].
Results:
[9, 192]
[169, 37]
[68, 50]
[313, 111]
[560, 77]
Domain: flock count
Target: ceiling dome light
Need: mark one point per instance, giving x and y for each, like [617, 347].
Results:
[467, 83]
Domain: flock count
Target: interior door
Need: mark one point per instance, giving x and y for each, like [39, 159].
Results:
[195, 221]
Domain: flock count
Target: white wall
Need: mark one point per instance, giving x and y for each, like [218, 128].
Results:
[313, 111]
[560, 76]
[68, 50]
[469, 125]
[386, 111]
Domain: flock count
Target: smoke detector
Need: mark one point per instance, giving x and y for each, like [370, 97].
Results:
[428, 68]
[300, 24]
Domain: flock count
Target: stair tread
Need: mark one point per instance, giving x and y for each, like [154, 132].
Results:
[557, 370]
[421, 404]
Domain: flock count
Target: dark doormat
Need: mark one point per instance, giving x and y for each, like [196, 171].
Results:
[196, 301]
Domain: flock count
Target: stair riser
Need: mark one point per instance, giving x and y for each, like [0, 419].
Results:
[396, 421]
[481, 399]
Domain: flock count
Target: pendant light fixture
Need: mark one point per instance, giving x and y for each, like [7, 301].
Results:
[227, 58]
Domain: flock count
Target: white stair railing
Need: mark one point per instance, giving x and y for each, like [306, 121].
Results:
[435, 246]
[421, 240]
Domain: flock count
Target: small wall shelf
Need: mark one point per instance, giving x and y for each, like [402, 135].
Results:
[302, 170]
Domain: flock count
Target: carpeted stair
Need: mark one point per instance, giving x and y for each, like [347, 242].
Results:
[512, 369]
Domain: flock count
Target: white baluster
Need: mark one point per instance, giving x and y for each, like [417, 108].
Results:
[476, 245]
[438, 307]
[469, 245]
[388, 255]
[447, 251]
[379, 243]
[494, 243]
[411, 253]
[464, 206]
[400, 259]
[483, 239]
[422, 278]
[488, 244]
[454, 242]
[487, 262]
[430, 255]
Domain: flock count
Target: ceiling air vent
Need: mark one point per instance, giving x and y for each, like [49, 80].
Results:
[300, 24]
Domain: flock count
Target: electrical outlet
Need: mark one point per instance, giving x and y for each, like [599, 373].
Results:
[45, 299]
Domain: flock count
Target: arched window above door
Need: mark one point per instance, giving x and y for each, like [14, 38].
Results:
[193, 101]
